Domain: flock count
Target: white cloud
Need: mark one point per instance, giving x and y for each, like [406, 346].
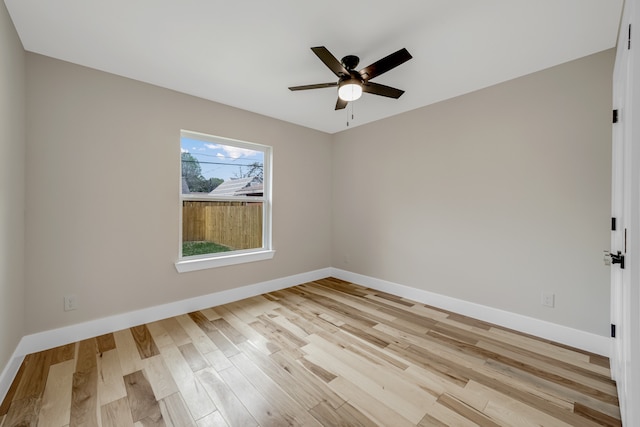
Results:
[183, 150]
[237, 152]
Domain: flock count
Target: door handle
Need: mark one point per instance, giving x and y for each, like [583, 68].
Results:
[610, 258]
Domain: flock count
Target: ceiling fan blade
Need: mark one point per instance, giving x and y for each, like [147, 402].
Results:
[382, 90]
[340, 104]
[330, 61]
[316, 86]
[385, 64]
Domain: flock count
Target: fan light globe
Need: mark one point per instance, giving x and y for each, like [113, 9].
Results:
[350, 90]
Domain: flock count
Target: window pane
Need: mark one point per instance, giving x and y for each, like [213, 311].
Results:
[225, 196]
[220, 169]
[213, 226]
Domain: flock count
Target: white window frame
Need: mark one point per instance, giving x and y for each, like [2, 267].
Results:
[200, 262]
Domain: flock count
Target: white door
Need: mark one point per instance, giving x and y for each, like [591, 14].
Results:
[625, 282]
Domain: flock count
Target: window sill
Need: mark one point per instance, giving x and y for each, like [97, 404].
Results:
[184, 266]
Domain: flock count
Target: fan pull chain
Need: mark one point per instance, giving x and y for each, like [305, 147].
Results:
[352, 115]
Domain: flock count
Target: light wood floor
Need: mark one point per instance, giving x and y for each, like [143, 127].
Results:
[323, 353]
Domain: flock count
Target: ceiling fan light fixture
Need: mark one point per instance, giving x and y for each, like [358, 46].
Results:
[350, 90]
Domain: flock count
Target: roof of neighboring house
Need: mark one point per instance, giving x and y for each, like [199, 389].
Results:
[235, 187]
[255, 189]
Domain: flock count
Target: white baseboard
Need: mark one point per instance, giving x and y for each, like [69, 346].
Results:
[561, 334]
[67, 334]
[60, 336]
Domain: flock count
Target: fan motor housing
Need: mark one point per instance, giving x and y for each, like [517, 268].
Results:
[350, 62]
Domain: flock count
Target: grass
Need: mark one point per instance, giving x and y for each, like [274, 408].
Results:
[201, 248]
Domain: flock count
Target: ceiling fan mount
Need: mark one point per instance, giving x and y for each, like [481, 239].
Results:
[351, 83]
[350, 62]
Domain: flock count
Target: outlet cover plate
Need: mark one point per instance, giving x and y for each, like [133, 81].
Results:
[70, 302]
[548, 299]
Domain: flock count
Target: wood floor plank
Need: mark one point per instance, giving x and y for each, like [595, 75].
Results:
[366, 404]
[303, 324]
[264, 412]
[23, 412]
[229, 331]
[34, 377]
[327, 352]
[144, 341]
[228, 404]
[440, 415]
[542, 387]
[595, 415]
[509, 390]
[193, 357]
[257, 305]
[318, 371]
[160, 378]
[594, 388]
[87, 355]
[360, 305]
[218, 360]
[291, 303]
[196, 335]
[160, 335]
[270, 328]
[197, 399]
[84, 398]
[510, 410]
[280, 342]
[235, 319]
[176, 331]
[116, 414]
[210, 330]
[55, 408]
[466, 411]
[211, 313]
[289, 375]
[213, 420]
[142, 402]
[344, 416]
[63, 353]
[106, 342]
[289, 326]
[290, 409]
[110, 383]
[385, 386]
[130, 360]
[175, 412]
[542, 353]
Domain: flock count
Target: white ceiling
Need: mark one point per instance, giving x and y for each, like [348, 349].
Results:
[246, 53]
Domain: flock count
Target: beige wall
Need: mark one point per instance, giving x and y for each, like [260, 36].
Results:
[491, 197]
[103, 194]
[12, 187]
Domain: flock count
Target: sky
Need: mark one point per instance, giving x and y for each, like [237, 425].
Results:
[218, 160]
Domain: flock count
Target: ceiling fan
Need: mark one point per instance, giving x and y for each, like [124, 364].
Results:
[352, 83]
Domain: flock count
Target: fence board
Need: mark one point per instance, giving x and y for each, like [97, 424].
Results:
[237, 225]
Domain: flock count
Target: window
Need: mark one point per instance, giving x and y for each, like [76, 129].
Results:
[225, 201]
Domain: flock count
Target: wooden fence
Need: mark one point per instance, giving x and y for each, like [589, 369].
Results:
[237, 225]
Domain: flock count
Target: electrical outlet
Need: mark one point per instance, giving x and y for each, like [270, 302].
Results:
[548, 299]
[70, 302]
